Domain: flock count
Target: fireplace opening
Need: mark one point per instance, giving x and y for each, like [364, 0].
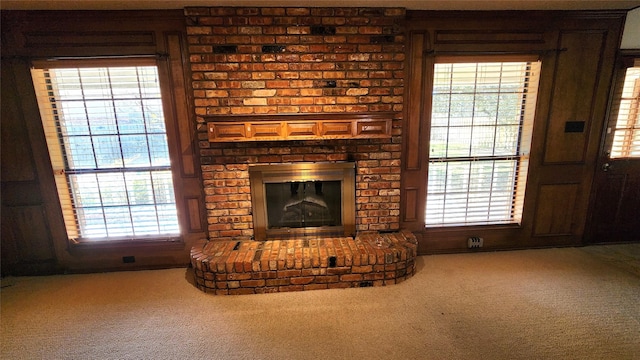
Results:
[297, 204]
[303, 199]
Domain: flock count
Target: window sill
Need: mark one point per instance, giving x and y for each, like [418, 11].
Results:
[168, 243]
[467, 228]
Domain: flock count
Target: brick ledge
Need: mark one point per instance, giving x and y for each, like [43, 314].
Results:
[253, 267]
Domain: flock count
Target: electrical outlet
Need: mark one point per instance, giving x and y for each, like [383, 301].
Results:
[475, 242]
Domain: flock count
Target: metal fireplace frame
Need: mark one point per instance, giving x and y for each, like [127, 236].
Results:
[262, 174]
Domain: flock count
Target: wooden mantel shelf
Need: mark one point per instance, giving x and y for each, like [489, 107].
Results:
[323, 126]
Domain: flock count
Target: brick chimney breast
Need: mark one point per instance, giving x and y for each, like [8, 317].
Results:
[260, 61]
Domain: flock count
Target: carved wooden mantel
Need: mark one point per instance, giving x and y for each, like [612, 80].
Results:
[321, 126]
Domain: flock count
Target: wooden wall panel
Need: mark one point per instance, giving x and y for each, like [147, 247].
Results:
[27, 246]
[410, 204]
[609, 197]
[38, 39]
[45, 34]
[616, 215]
[14, 135]
[193, 211]
[181, 103]
[26, 242]
[577, 51]
[571, 111]
[33, 225]
[555, 209]
[483, 37]
[629, 209]
[30, 230]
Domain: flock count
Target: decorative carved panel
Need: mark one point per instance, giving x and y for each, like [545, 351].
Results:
[299, 127]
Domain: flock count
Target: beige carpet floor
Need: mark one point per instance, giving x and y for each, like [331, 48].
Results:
[568, 303]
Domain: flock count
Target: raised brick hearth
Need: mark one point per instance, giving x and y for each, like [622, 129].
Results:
[253, 267]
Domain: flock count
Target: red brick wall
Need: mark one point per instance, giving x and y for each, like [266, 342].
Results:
[297, 60]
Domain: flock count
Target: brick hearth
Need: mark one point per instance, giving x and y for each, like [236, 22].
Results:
[253, 267]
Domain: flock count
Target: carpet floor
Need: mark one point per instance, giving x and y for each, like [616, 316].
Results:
[566, 303]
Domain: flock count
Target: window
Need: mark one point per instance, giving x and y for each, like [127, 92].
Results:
[481, 124]
[626, 132]
[106, 135]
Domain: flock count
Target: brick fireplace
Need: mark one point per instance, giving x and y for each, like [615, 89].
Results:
[297, 61]
[257, 62]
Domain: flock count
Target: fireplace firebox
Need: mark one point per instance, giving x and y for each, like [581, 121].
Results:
[303, 200]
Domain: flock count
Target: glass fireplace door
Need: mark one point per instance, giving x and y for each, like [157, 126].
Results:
[303, 199]
[299, 204]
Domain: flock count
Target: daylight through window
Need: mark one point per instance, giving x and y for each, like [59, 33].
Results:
[481, 123]
[106, 135]
[626, 136]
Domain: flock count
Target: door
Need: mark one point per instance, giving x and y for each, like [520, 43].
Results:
[615, 208]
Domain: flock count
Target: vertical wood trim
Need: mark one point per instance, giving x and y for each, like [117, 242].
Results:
[181, 132]
[185, 131]
[414, 102]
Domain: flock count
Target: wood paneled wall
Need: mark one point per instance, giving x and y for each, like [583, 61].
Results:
[34, 239]
[577, 50]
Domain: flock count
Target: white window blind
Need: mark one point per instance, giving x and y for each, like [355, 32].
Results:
[481, 124]
[106, 135]
[626, 125]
